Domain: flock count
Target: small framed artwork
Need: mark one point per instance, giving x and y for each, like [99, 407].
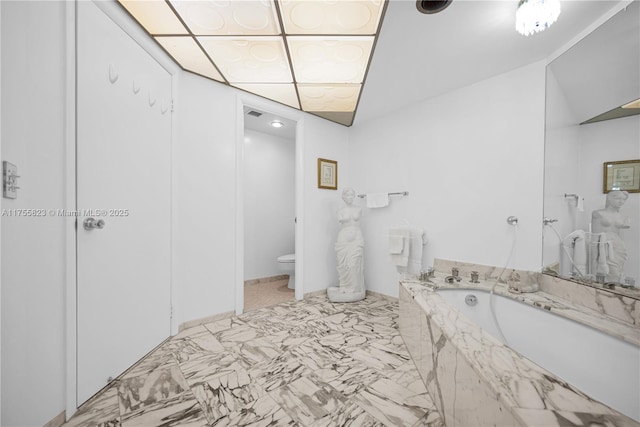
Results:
[327, 174]
[622, 175]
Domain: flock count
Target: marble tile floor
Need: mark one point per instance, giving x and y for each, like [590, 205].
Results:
[305, 363]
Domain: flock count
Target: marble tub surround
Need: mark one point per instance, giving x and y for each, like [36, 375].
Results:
[476, 380]
[485, 272]
[300, 363]
[606, 323]
[620, 304]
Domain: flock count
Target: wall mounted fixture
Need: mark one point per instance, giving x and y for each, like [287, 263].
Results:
[9, 180]
[534, 16]
[310, 55]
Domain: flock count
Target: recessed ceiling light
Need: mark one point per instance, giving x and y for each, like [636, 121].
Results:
[431, 7]
[277, 124]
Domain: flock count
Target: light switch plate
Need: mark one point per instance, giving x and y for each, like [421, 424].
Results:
[9, 180]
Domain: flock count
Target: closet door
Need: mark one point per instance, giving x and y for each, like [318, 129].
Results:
[123, 198]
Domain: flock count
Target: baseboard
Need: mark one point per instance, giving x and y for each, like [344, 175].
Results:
[383, 296]
[209, 319]
[57, 421]
[251, 282]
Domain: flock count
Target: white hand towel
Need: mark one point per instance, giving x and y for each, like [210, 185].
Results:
[377, 200]
[415, 252]
[396, 244]
[401, 240]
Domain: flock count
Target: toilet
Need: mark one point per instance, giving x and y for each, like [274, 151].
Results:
[287, 265]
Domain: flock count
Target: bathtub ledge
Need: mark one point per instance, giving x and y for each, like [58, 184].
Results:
[554, 304]
[532, 395]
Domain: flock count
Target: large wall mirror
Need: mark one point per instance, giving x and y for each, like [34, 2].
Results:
[592, 235]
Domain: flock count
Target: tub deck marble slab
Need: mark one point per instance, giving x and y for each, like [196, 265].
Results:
[462, 366]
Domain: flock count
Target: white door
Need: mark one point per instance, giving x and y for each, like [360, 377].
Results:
[123, 179]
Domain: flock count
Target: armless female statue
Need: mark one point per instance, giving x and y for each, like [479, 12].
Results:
[609, 252]
[349, 253]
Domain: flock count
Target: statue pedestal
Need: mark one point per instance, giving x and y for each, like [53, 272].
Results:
[336, 294]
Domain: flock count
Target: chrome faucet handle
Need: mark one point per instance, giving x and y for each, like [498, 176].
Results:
[547, 221]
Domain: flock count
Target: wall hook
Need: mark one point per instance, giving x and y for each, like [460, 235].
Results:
[152, 102]
[113, 75]
[136, 88]
[163, 108]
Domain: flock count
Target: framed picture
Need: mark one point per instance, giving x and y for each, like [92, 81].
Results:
[327, 174]
[622, 175]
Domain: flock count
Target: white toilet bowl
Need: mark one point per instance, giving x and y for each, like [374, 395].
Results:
[287, 265]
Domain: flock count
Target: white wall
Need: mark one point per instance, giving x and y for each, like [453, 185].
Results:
[469, 159]
[33, 249]
[269, 195]
[327, 140]
[204, 217]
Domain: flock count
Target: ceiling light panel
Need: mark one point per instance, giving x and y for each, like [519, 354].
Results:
[330, 16]
[155, 16]
[311, 55]
[336, 98]
[249, 59]
[189, 55]
[212, 18]
[330, 59]
[284, 93]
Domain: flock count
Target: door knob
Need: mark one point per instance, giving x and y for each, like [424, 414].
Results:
[91, 223]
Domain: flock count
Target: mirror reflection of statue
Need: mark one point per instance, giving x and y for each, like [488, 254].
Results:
[349, 253]
[608, 253]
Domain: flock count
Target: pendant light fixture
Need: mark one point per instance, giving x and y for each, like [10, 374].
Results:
[534, 16]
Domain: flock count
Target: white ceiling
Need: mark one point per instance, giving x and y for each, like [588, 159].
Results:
[420, 56]
[263, 124]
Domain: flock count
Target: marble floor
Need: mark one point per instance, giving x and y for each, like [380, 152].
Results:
[305, 363]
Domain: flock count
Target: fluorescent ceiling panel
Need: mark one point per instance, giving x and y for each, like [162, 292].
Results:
[189, 55]
[308, 54]
[283, 93]
[249, 59]
[336, 98]
[632, 104]
[246, 17]
[331, 17]
[330, 59]
[155, 16]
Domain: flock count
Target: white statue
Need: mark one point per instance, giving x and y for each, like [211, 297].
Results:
[349, 253]
[609, 252]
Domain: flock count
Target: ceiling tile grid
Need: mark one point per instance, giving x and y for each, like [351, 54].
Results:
[312, 55]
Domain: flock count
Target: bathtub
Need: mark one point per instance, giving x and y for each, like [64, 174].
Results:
[604, 367]
[551, 371]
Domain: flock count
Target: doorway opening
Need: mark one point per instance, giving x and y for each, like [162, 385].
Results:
[269, 205]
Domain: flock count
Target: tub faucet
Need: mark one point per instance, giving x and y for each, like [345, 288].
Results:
[451, 279]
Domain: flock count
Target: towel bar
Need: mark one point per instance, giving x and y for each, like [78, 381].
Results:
[398, 193]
